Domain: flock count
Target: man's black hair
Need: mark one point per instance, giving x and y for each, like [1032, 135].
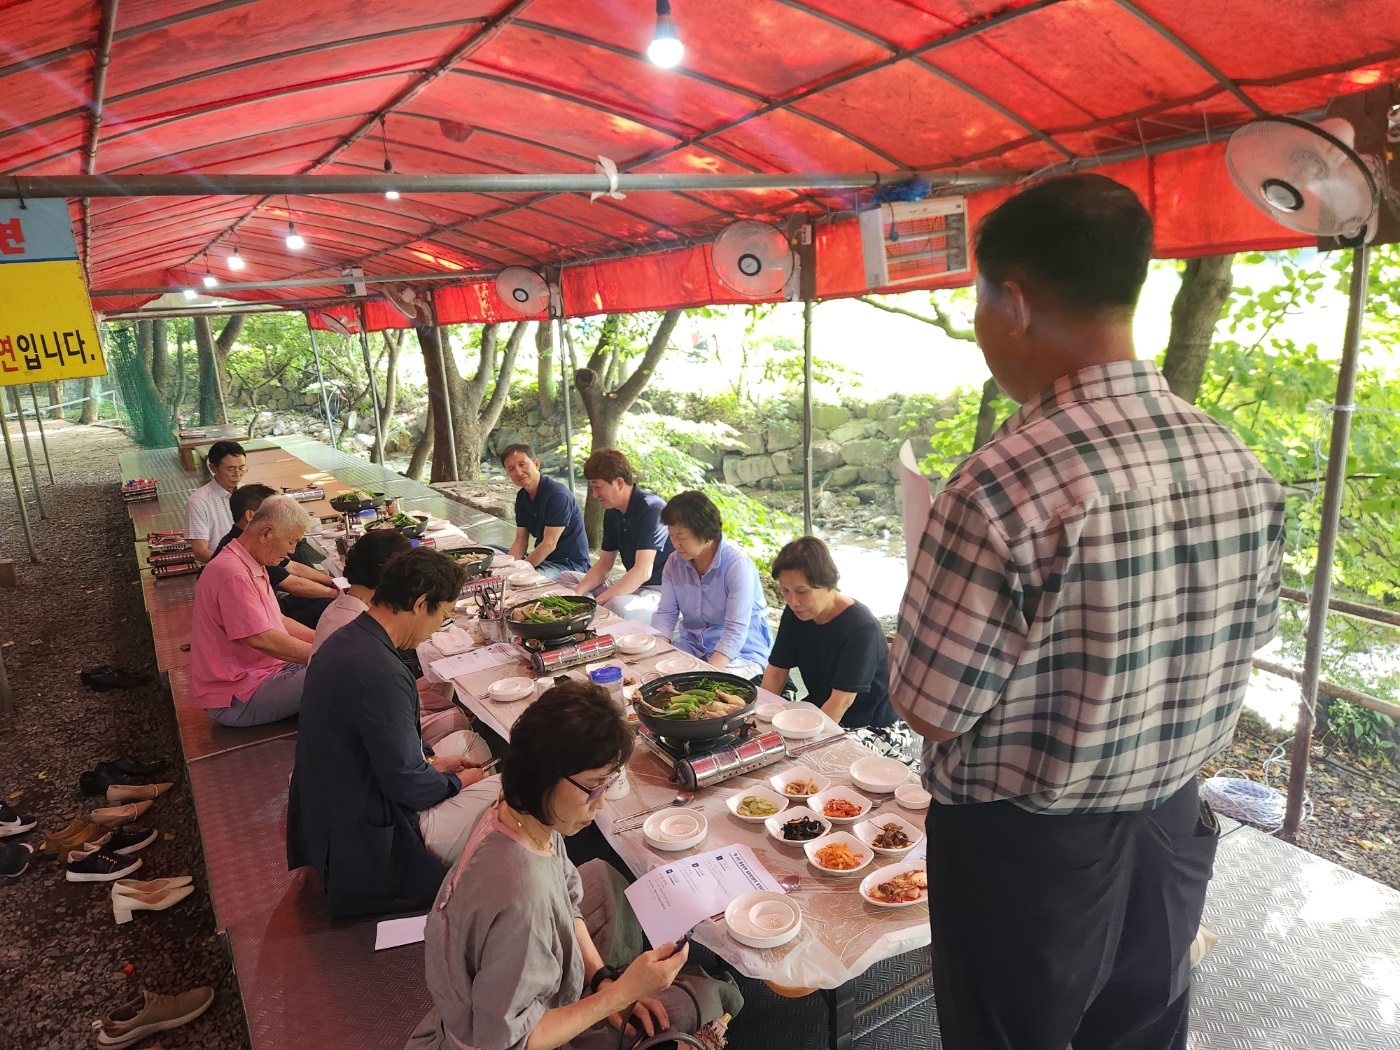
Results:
[416, 574]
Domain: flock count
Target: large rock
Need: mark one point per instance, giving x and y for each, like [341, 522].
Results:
[787, 482]
[788, 461]
[869, 493]
[848, 432]
[866, 452]
[750, 443]
[843, 477]
[826, 455]
[753, 469]
[875, 475]
[828, 416]
[783, 436]
[731, 468]
[891, 427]
[712, 458]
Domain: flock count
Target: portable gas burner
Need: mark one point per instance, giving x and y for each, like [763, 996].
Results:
[548, 656]
[703, 763]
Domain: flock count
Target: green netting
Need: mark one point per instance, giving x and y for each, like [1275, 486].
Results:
[142, 408]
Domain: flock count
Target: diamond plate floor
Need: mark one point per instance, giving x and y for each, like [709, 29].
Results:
[201, 738]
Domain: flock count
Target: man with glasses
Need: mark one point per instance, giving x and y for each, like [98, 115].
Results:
[207, 514]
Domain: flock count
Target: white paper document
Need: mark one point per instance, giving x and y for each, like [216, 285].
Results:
[625, 627]
[674, 898]
[393, 932]
[488, 656]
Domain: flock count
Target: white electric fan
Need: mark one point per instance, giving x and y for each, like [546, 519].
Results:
[753, 259]
[523, 290]
[1306, 176]
[409, 302]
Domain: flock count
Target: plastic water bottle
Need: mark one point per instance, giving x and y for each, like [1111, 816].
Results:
[610, 678]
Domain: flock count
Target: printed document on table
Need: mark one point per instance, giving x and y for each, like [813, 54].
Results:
[482, 659]
[673, 898]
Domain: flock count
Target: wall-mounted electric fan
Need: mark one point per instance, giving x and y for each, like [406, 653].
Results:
[409, 302]
[523, 290]
[753, 259]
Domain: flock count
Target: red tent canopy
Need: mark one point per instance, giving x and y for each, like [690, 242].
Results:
[1014, 87]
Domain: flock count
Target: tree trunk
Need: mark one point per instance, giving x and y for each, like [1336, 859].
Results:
[606, 407]
[544, 351]
[143, 343]
[987, 414]
[160, 356]
[393, 343]
[423, 449]
[56, 400]
[1205, 289]
[89, 413]
[433, 359]
[178, 397]
[208, 395]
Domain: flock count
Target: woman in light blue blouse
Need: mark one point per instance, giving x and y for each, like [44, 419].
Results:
[712, 589]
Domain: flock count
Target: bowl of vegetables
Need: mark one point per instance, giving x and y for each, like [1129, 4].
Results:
[477, 561]
[552, 616]
[755, 804]
[695, 705]
[409, 526]
[356, 500]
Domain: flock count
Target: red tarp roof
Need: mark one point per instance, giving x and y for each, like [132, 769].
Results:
[490, 86]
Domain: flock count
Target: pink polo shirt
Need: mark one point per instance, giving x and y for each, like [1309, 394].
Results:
[232, 601]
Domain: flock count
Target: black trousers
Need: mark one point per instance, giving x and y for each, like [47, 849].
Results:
[1058, 931]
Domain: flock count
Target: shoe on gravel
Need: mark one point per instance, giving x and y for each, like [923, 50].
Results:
[99, 866]
[101, 781]
[150, 1013]
[14, 858]
[131, 839]
[116, 816]
[102, 678]
[173, 882]
[132, 767]
[11, 823]
[80, 835]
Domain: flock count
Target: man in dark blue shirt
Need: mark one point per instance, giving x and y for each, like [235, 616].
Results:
[631, 528]
[546, 512]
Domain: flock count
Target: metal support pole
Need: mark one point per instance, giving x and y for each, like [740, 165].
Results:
[29, 455]
[444, 348]
[373, 390]
[14, 477]
[566, 388]
[39, 422]
[7, 701]
[1342, 408]
[321, 379]
[807, 416]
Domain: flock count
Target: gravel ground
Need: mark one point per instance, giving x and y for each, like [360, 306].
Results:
[62, 957]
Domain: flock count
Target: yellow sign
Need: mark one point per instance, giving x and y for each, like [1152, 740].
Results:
[46, 327]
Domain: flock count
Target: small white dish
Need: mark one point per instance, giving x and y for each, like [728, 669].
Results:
[862, 852]
[439, 525]
[877, 774]
[799, 723]
[795, 774]
[775, 824]
[912, 796]
[672, 830]
[869, 830]
[734, 801]
[885, 874]
[635, 644]
[749, 916]
[676, 664]
[765, 712]
[524, 578]
[509, 690]
[817, 804]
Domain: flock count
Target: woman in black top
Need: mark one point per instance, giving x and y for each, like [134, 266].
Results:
[838, 648]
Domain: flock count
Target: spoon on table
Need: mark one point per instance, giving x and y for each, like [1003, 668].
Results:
[631, 823]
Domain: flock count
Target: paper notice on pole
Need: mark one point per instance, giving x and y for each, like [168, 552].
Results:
[390, 933]
[625, 627]
[674, 898]
[482, 659]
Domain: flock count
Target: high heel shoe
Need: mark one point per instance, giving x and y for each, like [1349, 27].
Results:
[119, 793]
[116, 816]
[123, 905]
[129, 887]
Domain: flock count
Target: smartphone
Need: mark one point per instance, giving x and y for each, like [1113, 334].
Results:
[491, 765]
[679, 945]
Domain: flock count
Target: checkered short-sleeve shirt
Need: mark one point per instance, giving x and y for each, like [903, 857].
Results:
[1088, 592]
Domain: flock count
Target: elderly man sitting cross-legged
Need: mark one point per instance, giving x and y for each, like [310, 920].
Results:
[247, 659]
[367, 809]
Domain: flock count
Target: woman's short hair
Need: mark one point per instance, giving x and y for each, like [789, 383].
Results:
[809, 556]
[418, 573]
[696, 513]
[284, 514]
[608, 464]
[221, 450]
[248, 497]
[573, 727]
[364, 565]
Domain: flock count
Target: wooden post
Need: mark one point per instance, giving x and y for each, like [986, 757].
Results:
[8, 576]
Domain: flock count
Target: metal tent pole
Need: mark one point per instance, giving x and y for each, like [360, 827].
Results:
[321, 379]
[373, 388]
[807, 416]
[444, 348]
[44, 441]
[1342, 408]
[555, 331]
[29, 455]
[7, 701]
[14, 478]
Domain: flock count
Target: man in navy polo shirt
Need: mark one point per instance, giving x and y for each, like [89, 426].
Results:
[632, 528]
[546, 512]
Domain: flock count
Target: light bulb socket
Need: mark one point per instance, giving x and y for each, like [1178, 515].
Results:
[665, 49]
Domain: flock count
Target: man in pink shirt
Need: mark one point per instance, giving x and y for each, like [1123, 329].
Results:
[247, 660]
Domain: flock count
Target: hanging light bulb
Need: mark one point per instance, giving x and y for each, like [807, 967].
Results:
[389, 195]
[235, 261]
[210, 280]
[665, 49]
[295, 241]
[190, 293]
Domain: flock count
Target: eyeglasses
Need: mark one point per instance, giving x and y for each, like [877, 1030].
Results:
[595, 793]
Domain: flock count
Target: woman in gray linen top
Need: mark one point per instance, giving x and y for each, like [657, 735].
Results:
[510, 962]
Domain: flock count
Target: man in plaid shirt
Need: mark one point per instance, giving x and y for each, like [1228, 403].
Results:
[1074, 644]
